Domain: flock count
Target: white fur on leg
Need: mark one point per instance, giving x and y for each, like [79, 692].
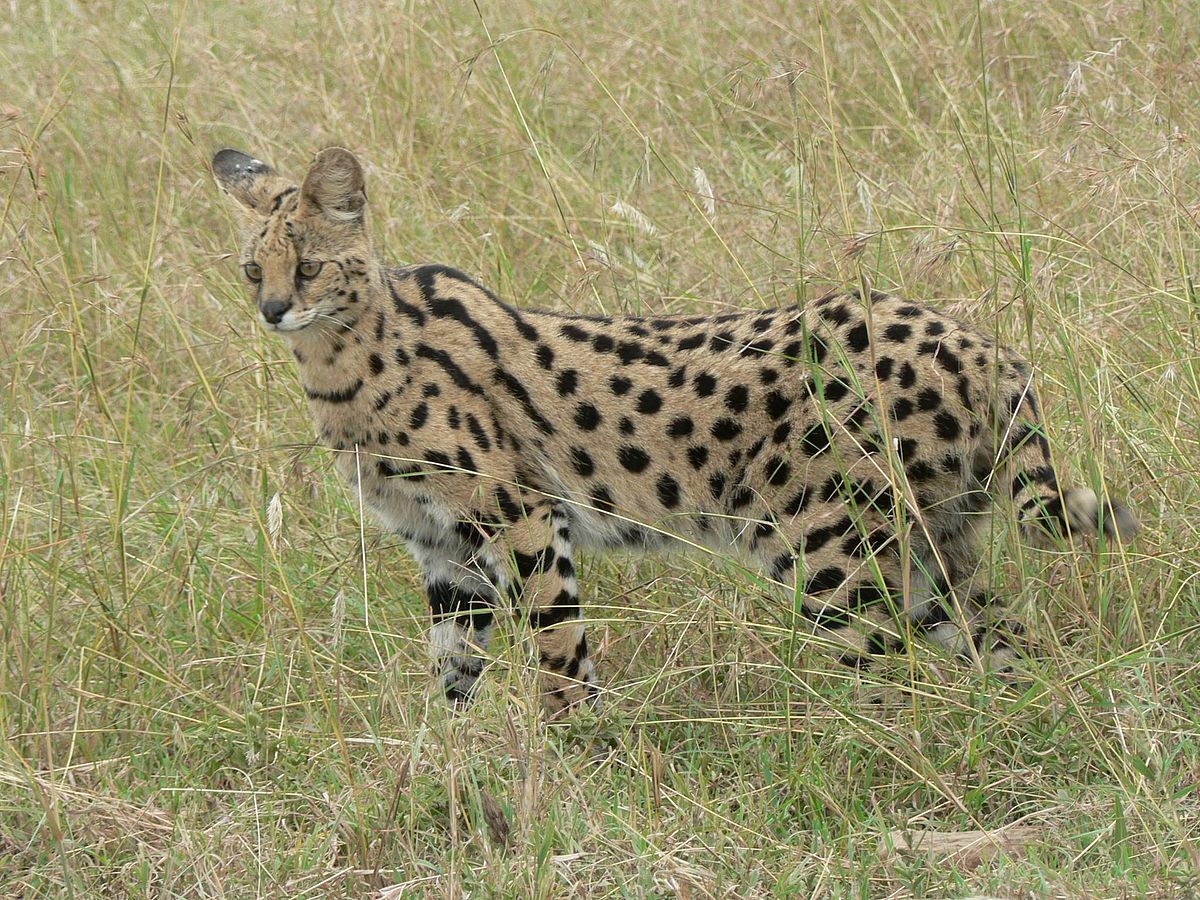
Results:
[456, 653]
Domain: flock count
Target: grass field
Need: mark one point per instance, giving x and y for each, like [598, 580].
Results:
[212, 676]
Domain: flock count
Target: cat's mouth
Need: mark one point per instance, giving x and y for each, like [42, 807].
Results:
[288, 324]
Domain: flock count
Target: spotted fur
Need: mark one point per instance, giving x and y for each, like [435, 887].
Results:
[851, 447]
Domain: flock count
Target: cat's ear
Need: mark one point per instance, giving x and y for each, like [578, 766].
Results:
[335, 187]
[249, 181]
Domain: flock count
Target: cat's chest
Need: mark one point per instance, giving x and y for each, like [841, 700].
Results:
[392, 489]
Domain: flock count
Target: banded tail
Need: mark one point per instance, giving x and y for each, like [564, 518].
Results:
[1042, 504]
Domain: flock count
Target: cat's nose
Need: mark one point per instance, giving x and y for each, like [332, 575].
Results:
[274, 310]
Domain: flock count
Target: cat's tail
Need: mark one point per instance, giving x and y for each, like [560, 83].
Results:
[1027, 474]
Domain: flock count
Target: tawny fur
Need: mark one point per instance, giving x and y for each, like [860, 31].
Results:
[853, 445]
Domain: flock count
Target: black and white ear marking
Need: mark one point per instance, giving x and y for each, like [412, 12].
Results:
[230, 165]
[335, 187]
[242, 176]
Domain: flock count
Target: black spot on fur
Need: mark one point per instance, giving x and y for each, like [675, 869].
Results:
[389, 469]
[453, 308]
[721, 342]
[680, 427]
[668, 491]
[649, 402]
[835, 389]
[726, 429]
[858, 338]
[902, 409]
[819, 537]
[457, 375]
[517, 390]
[838, 315]
[404, 307]
[781, 566]
[629, 352]
[929, 399]
[582, 462]
[817, 348]
[947, 426]
[438, 459]
[949, 361]
[477, 433]
[858, 416]
[795, 505]
[602, 499]
[568, 382]
[587, 417]
[512, 510]
[740, 497]
[529, 564]
[716, 485]
[825, 580]
[777, 404]
[1043, 475]
[336, 397]
[778, 471]
[815, 440]
[635, 459]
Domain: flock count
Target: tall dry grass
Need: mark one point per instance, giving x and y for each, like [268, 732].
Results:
[208, 691]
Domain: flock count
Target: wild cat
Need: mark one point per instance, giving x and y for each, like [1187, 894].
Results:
[850, 447]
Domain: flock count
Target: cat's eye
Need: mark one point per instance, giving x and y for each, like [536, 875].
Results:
[309, 268]
[253, 271]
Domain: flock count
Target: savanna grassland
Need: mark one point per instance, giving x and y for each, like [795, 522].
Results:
[212, 675]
